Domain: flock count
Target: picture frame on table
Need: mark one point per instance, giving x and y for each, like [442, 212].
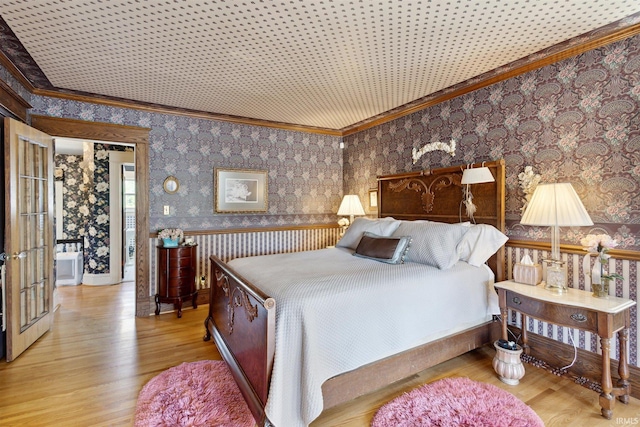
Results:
[240, 190]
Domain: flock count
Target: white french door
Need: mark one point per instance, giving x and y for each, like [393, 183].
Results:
[29, 239]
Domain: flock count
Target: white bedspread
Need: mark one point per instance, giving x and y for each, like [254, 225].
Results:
[336, 312]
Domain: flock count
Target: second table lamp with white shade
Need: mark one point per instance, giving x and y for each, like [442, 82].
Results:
[556, 205]
[350, 206]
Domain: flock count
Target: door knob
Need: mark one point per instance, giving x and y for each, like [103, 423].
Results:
[19, 255]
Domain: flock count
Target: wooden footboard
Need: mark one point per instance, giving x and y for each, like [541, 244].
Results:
[242, 322]
[242, 318]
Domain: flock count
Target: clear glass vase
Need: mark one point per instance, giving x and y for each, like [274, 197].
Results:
[601, 290]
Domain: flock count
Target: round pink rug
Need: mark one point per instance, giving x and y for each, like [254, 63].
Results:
[193, 394]
[456, 402]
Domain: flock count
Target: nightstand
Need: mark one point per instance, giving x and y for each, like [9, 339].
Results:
[576, 309]
[176, 276]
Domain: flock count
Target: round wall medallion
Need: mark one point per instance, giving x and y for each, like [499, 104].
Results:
[171, 184]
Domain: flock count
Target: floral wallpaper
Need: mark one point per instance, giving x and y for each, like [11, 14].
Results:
[75, 212]
[574, 121]
[85, 211]
[304, 172]
[304, 169]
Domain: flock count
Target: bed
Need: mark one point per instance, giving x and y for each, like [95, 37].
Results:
[320, 328]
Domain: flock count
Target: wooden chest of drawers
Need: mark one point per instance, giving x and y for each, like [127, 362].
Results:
[176, 276]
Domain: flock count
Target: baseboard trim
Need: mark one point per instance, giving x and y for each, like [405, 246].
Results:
[587, 365]
[97, 279]
[203, 296]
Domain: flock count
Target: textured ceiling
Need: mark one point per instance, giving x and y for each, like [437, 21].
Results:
[321, 63]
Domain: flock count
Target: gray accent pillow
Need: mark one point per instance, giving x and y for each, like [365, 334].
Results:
[381, 227]
[432, 243]
[391, 250]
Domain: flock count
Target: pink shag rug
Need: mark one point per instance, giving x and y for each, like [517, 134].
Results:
[456, 402]
[193, 394]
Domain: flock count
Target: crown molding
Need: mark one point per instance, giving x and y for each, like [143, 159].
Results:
[155, 108]
[568, 49]
[15, 72]
[13, 102]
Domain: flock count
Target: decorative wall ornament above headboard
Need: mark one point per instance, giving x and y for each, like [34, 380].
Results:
[433, 146]
[418, 185]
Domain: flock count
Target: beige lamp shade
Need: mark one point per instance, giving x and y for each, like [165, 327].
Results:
[473, 176]
[476, 175]
[351, 205]
[555, 204]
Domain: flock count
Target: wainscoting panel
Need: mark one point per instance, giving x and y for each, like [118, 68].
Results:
[627, 288]
[228, 246]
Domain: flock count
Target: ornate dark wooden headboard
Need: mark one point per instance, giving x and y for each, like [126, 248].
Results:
[437, 194]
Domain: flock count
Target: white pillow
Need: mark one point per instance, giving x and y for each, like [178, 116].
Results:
[479, 243]
[432, 243]
[383, 227]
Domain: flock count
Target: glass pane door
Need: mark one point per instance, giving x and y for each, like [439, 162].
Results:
[35, 244]
[28, 157]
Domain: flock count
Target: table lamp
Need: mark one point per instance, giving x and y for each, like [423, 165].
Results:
[555, 205]
[350, 206]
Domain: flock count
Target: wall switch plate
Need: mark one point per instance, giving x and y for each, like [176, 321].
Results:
[166, 209]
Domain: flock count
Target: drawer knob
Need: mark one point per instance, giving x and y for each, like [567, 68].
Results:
[516, 301]
[578, 317]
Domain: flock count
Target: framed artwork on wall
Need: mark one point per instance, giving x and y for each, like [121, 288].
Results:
[373, 199]
[240, 190]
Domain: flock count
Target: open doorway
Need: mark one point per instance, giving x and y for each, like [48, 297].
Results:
[138, 137]
[128, 215]
[93, 205]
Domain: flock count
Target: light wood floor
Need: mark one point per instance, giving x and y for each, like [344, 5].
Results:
[89, 369]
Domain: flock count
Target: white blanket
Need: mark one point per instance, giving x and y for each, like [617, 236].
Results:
[336, 312]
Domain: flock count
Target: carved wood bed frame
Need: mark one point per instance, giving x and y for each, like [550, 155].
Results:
[242, 318]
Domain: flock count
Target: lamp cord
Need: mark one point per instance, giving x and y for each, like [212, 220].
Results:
[575, 349]
[575, 353]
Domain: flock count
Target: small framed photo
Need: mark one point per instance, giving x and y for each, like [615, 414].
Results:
[240, 190]
[373, 199]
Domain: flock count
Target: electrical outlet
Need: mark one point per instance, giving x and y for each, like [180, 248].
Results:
[166, 209]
